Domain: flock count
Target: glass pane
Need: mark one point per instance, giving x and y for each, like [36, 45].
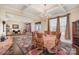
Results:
[38, 27]
[63, 26]
[53, 24]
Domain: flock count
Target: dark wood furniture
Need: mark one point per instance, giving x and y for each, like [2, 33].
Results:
[75, 35]
[37, 40]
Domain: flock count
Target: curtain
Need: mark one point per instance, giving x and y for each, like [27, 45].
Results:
[58, 25]
[67, 33]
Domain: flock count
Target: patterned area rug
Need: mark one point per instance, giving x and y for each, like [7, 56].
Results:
[23, 42]
[21, 45]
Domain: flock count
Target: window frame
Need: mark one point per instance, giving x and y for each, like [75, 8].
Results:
[36, 25]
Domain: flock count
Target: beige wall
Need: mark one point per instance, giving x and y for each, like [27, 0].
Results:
[15, 18]
[21, 25]
[75, 14]
[2, 13]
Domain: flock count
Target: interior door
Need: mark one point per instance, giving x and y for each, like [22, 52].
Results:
[28, 27]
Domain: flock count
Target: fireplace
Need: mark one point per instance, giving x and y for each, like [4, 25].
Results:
[16, 31]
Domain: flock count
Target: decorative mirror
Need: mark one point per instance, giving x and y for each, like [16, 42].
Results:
[15, 26]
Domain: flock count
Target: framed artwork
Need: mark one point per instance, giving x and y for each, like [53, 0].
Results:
[15, 26]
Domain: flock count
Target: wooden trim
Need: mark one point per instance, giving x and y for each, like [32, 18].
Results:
[38, 23]
[60, 16]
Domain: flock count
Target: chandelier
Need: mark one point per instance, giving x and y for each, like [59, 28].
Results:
[45, 13]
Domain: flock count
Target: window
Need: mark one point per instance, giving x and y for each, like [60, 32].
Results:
[63, 21]
[53, 24]
[38, 26]
[60, 24]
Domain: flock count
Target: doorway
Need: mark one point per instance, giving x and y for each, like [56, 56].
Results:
[28, 27]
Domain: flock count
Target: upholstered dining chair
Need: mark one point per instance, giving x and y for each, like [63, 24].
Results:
[34, 39]
[40, 41]
[57, 41]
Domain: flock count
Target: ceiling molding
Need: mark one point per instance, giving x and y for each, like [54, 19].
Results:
[30, 11]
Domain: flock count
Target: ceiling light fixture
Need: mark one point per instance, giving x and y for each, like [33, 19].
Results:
[45, 13]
